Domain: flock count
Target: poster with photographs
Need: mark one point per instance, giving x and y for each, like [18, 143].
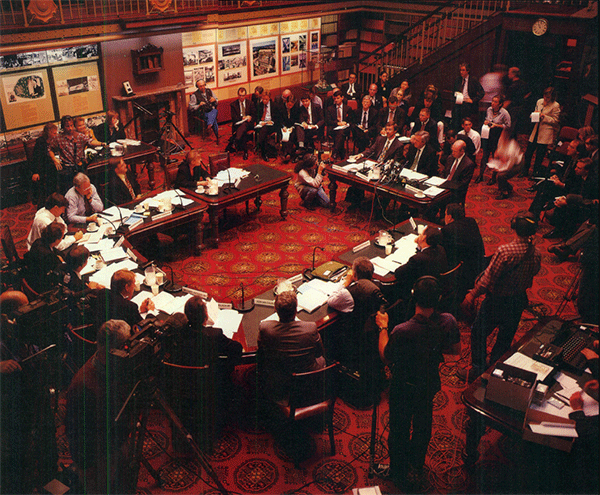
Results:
[26, 98]
[78, 89]
[199, 64]
[264, 58]
[72, 54]
[293, 52]
[315, 41]
[233, 63]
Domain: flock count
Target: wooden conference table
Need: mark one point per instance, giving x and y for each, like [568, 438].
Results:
[394, 192]
[262, 180]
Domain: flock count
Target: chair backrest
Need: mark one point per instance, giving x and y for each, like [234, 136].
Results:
[449, 287]
[353, 104]
[218, 162]
[313, 387]
[28, 147]
[8, 245]
[568, 133]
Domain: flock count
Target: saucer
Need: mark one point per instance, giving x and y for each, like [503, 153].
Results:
[200, 190]
[419, 195]
[92, 227]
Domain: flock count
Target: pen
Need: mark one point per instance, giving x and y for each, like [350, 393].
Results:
[561, 399]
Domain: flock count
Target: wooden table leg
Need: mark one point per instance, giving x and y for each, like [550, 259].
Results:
[150, 167]
[283, 196]
[199, 236]
[332, 192]
[258, 203]
[213, 216]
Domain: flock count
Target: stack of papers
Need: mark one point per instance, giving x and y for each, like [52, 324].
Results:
[231, 175]
[113, 254]
[313, 294]
[412, 175]
[433, 191]
[103, 276]
[175, 195]
[434, 181]
[228, 320]
[163, 301]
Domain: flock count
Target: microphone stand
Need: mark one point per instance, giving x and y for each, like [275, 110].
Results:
[180, 200]
[307, 273]
[227, 188]
[244, 306]
[123, 229]
[171, 287]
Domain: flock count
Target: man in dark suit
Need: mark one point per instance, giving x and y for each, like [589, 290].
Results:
[384, 148]
[430, 259]
[461, 239]
[376, 100]
[427, 124]
[365, 128]
[242, 117]
[289, 117]
[421, 156]
[351, 90]
[312, 120]
[471, 92]
[267, 117]
[122, 187]
[339, 115]
[459, 170]
[286, 346]
[392, 113]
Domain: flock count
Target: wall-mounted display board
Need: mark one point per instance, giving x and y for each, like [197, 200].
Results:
[199, 58]
[233, 63]
[265, 54]
[40, 87]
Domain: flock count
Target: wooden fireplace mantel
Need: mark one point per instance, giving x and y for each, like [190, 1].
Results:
[173, 95]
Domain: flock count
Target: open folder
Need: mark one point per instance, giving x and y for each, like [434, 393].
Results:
[329, 270]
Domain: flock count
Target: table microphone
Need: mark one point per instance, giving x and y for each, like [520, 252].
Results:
[105, 216]
[123, 229]
[244, 306]
[180, 200]
[172, 287]
[308, 272]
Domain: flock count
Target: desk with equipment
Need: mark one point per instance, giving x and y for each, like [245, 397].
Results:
[415, 190]
[527, 392]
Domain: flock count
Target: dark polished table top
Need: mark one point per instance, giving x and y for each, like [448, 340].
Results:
[132, 153]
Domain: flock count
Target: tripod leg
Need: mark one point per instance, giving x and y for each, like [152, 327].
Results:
[138, 455]
[159, 398]
[373, 437]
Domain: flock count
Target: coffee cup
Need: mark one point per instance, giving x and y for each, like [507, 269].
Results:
[160, 278]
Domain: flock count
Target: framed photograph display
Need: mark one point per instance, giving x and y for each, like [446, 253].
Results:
[26, 98]
[293, 52]
[233, 63]
[315, 41]
[199, 64]
[265, 54]
[78, 89]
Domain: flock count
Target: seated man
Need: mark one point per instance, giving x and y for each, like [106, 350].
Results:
[451, 137]
[427, 124]
[459, 170]
[430, 259]
[421, 156]
[365, 128]
[339, 115]
[467, 130]
[286, 346]
[351, 90]
[191, 173]
[376, 99]
[312, 122]
[43, 265]
[203, 105]
[358, 298]
[267, 124]
[289, 117]
[75, 261]
[84, 201]
[392, 113]
[386, 147]
[122, 186]
[242, 118]
[54, 207]
[99, 445]
[111, 130]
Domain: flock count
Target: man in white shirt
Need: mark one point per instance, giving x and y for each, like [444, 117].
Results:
[53, 209]
[467, 125]
[83, 200]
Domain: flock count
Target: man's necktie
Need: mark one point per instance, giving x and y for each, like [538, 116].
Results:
[453, 169]
[264, 117]
[89, 211]
[391, 116]
[129, 188]
[309, 116]
[384, 150]
[243, 108]
[339, 113]
[364, 120]
[415, 163]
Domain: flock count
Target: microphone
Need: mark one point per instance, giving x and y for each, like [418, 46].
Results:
[244, 306]
[105, 217]
[141, 108]
[230, 185]
[307, 273]
[123, 229]
[314, 252]
[180, 200]
[172, 287]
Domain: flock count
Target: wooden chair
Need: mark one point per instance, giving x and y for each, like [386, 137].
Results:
[313, 394]
[449, 284]
[8, 246]
[565, 136]
[218, 162]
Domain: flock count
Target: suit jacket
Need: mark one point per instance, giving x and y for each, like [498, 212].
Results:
[462, 242]
[117, 191]
[372, 119]
[428, 161]
[41, 266]
[399, 118]
[275, 117]
[108, 134]
[317, 114]
[110, 305]
[377, 102]
[431, 261]
[236, 114]
[357, 93]
[286, 348]
[332, 119]
[185, 178]
[476, 91]
[462, 175]
[432, 129]
[375, 150]
[289, 119]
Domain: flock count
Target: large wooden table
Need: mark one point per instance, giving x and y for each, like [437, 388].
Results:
[394, 192]
[144, 153]
[262, 180]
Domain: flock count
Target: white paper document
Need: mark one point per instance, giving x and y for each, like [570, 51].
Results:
[521, 361]
[229, 320]
[434, 181]
[412, 175]
[102, 245]
[103, 276]
[459, 98]
[485, 131]
[554, 429]
[433, 191]
[384, 265]
[341, 127]
[114, 254]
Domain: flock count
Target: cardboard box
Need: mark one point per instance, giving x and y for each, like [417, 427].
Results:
[510, 386]
[534, 416]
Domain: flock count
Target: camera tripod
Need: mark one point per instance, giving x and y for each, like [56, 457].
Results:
[167, 134]
[150, 393]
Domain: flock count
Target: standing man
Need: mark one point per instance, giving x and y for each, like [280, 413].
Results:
[505, 283]
[42, 167]
[242, 117]
[516, 94]
[471, 93]
[204, 104]
[339, 115]
[413, 351]
[459, 169]
[365, 128]
[84, 201]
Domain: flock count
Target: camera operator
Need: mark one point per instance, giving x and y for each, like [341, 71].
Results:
[99, 445]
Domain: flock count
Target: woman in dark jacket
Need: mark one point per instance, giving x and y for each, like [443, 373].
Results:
[191, 173]
[42, 263]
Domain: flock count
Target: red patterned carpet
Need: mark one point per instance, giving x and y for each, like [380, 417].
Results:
[257, 250]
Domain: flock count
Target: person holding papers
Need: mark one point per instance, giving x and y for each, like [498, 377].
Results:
[365, 128]
[459, 170]
[309, 182]
[312, 121]
[122, 187]
[52, 211]
[338, 119]
[268, 124]
[496, 119]
[84, 202]
[191, 173]
[290, 115]
[469, 95]
[242, 121]
[504, 283]
[285, 346]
